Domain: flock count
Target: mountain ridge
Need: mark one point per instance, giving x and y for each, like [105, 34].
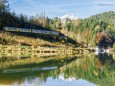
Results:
[69, 16]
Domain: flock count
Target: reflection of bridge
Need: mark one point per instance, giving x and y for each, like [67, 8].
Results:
[36, 51]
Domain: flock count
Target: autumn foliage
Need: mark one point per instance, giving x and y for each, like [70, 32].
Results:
[99, 37]
[104, 38]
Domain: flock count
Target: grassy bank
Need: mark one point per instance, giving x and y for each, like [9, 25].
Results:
[8, 38]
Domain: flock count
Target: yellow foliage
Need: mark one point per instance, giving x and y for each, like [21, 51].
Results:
[97, 27]
[109, 27]
[95, 73]
[62, 41]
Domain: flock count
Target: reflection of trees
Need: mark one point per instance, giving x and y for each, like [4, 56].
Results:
[97, 69]
[106, 60]
[33, 62]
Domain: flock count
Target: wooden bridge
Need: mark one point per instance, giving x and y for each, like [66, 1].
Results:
[37, 51]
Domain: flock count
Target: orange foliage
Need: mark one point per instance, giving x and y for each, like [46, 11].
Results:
[99, 37]
[98, 64]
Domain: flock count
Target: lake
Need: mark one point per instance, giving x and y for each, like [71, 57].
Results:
[62, 70]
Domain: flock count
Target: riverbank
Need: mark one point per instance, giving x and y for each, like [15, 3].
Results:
[112, 50]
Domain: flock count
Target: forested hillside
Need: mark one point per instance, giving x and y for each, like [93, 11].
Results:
[103, 21]
[96, 30]
[99, 28]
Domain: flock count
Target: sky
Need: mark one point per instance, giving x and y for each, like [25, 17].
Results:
[58, 8]
[54, 82]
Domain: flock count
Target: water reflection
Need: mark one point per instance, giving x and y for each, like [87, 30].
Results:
[81, 70]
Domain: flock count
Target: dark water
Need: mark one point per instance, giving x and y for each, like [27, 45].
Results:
[75, 70]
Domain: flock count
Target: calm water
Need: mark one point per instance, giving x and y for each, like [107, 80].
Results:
[76, 70]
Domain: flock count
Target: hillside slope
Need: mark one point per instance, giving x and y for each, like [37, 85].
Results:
[102, 24]
[9, 38]
[29, 39]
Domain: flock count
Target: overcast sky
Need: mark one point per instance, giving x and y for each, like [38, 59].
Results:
[58, 8]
